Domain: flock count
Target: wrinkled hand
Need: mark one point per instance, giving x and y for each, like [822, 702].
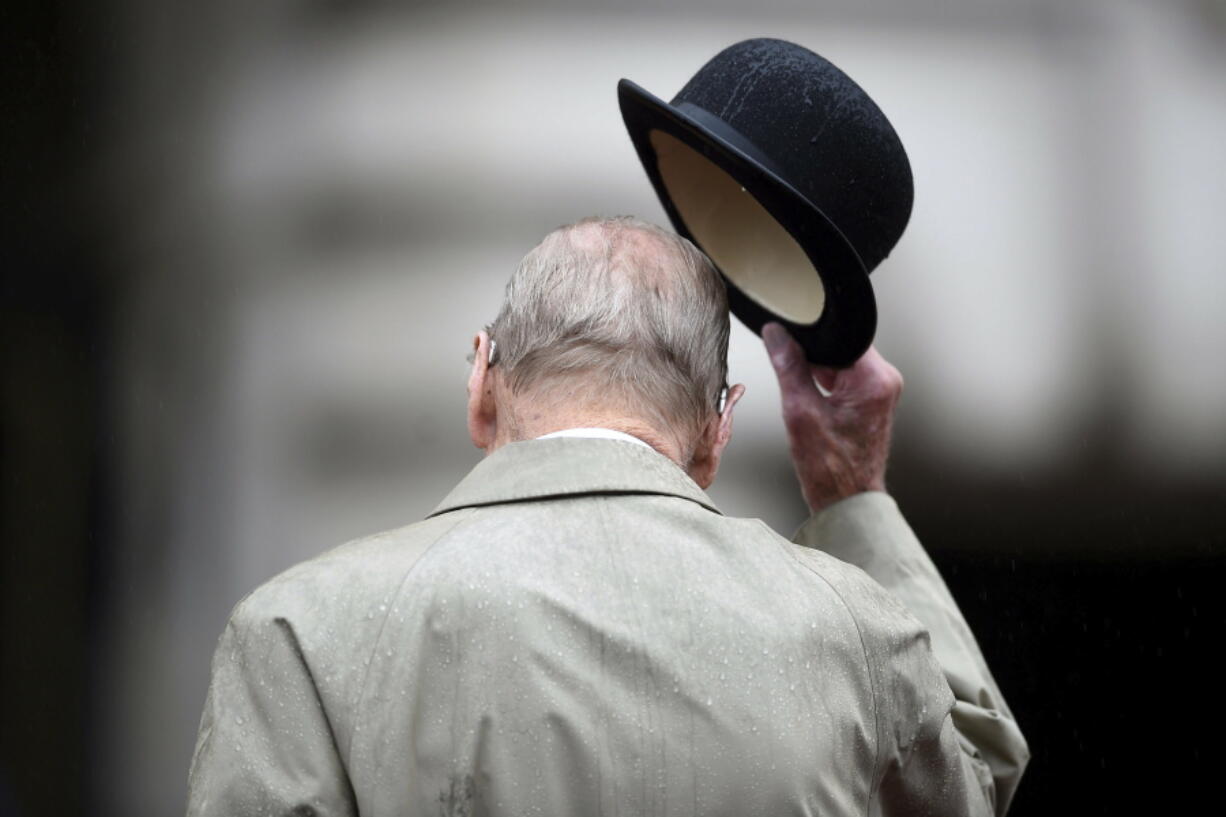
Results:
[839, 443]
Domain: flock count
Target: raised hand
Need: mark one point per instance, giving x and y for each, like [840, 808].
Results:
[839, 443]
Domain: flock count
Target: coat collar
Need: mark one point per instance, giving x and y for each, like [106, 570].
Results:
[570, 466]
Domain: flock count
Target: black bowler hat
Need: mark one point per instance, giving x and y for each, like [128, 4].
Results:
[790, 178]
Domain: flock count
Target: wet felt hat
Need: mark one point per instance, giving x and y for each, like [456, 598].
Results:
[785, 172]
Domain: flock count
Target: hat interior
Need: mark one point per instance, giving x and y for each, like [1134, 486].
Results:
[745, 241]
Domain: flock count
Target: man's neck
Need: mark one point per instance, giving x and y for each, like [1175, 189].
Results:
[541, 426]
[595, 432]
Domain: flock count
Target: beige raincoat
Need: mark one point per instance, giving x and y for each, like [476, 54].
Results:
[577, 630]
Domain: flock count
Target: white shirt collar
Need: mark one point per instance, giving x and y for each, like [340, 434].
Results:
[601, 433]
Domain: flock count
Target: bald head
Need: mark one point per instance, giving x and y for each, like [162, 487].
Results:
[636, 251]
[616, 315]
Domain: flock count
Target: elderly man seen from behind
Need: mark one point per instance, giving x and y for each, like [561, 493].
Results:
[576, 629]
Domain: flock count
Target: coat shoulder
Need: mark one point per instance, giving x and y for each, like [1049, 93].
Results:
[356, 573]
[897, 646]
[327, 613]
[880, 616]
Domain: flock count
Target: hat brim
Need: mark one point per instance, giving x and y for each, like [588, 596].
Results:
[848, 320]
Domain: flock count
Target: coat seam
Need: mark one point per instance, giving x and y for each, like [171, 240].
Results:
[872, 681]
[285, 624]
[357, 712]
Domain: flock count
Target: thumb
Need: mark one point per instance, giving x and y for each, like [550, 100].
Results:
[788, 360]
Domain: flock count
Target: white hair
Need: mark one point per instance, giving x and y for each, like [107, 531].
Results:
[618, 313]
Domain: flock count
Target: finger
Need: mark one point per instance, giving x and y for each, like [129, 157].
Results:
[874, 375]
[826, 378]
[788, 360]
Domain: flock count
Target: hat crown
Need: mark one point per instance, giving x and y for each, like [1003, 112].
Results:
[822, 133]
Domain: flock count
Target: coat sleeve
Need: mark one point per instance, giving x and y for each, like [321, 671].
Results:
[932, 675]
[265, 745]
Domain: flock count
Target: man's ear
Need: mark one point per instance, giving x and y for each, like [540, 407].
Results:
[714, 439]
[482, 410]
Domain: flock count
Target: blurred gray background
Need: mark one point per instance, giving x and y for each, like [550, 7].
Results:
[248, 246]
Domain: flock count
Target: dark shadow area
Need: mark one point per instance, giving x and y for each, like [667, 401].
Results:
[54, 432]
[1099, 612]
[1106, 667]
